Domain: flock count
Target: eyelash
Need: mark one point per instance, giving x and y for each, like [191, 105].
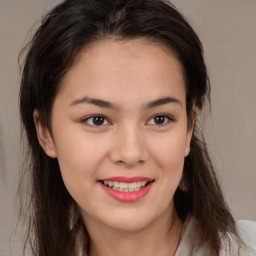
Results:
[86, 120]
[167, 118]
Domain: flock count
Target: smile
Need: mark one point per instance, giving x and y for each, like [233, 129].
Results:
[127, 189]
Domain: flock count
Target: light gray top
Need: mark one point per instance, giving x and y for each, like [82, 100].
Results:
[247, 232]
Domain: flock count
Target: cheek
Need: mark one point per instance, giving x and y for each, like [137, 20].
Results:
[76, 148]
[169, 151]
[169, 154]
[79, 157]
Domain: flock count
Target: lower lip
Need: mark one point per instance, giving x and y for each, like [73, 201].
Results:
[127, 196]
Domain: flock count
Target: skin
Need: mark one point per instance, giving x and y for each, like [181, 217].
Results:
[129, 142]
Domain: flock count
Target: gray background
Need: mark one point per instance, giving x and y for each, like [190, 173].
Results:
[228, 32]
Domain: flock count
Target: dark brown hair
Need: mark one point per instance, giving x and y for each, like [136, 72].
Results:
[64, 32]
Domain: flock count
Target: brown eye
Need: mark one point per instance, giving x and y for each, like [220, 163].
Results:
[160, 120]
[96, 121]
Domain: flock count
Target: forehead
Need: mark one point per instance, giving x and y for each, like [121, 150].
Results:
[134, 66]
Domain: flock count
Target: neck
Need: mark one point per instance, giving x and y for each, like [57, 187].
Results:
[160, 238]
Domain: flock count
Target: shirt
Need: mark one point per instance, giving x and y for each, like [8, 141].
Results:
[246, 230]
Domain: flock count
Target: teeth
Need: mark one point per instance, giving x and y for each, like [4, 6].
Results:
[132, 185]
[122, 184]
[138, 184]
[143, 183]
[125, 187]
[116, 184]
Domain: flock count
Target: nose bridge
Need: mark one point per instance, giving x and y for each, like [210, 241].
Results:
[130, 145]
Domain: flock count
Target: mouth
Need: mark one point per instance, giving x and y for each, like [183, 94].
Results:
[127, 189]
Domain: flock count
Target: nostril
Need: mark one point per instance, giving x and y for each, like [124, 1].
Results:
[129, 149]
[129, 157]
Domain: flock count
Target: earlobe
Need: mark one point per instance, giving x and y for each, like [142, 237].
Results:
[190, 129]
[187, 151]
[44, 137]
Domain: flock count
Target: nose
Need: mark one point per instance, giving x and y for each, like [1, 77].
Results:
[129, 147]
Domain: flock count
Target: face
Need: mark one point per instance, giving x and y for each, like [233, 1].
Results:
[119, 132]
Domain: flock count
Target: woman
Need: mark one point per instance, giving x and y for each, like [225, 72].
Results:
[110, 95]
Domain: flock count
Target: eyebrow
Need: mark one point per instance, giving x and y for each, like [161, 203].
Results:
[162, 101]
[106, 104]
[98, 102]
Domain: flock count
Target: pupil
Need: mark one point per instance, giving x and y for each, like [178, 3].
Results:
[159, 119]
[98, 120]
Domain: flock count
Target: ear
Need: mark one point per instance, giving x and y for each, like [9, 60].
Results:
[190, 129]
[44, 137]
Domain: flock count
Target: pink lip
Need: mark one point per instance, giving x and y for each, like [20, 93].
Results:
[127, 196]
[128, 179]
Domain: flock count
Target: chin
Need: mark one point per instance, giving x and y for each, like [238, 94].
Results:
[130, 225]
[132, 221]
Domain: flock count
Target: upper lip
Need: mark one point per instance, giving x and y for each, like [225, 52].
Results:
[128, 179]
